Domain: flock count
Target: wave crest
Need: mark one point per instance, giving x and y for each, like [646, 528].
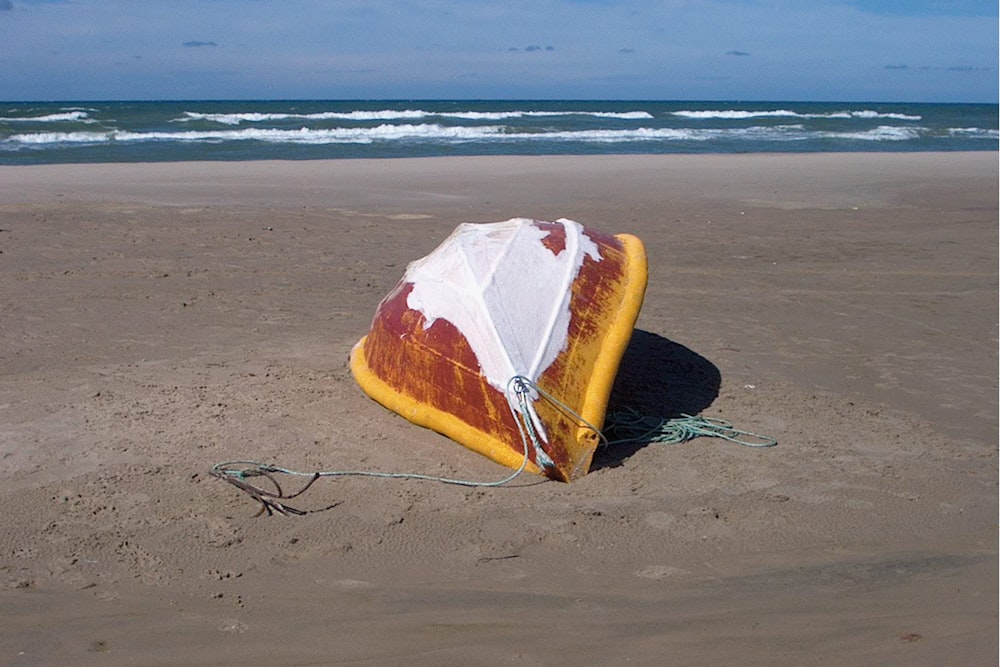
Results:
[740, 114]
[394, 115]
[63, 117]
[433, 132]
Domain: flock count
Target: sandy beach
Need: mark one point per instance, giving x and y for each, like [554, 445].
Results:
[156, 319]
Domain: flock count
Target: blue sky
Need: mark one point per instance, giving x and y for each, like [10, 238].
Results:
[836, 50]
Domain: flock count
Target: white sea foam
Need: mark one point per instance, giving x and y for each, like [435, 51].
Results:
[877, 114]
[50, 138]
[504, 115]
[973, 132]
[66, 116]
[880, 133]
[302, 135]
[738, 114]
[430, 133]
[406, 114]
[253, 117]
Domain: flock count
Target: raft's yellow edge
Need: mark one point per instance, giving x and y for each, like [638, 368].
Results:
[595, 398]
[431, 417]
[595, 402]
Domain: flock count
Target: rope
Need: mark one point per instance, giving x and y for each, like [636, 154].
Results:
[628, 425]
[625, 426]
[237, 472]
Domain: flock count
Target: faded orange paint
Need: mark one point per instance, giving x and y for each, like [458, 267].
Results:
[431, 375]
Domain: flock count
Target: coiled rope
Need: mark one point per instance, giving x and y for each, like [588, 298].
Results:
[624, 426]
[628, 425]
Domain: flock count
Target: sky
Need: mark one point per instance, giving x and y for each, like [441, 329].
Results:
[787, 50]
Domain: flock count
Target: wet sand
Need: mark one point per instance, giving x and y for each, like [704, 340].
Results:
[156, 319]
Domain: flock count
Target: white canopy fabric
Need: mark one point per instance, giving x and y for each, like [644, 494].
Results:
[506, 291]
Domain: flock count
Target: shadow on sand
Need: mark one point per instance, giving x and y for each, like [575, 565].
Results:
[658, 378]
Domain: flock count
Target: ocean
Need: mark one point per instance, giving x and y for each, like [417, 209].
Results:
[87, 132]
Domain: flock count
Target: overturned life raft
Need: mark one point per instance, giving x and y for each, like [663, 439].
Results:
[543, 310]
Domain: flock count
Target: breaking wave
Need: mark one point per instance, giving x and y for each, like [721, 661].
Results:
[39, 132]
[433, 132]
[406, 114]
[739, 114]
[68, 116]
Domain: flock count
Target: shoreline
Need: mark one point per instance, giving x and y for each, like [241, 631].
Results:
[157, 318]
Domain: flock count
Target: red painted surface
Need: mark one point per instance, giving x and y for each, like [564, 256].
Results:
[555, 240]
[436, 365]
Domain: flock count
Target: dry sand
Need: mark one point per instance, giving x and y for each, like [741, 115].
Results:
[156, 319]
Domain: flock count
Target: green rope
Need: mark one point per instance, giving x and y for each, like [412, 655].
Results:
[628, 425]
[238, 473]
[624, 426]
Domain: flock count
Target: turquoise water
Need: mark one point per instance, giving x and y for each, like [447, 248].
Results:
[61, 132]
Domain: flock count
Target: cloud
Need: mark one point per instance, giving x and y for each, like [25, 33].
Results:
[930, 68]
[737, 53]
[967, 68]
[197, 43]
